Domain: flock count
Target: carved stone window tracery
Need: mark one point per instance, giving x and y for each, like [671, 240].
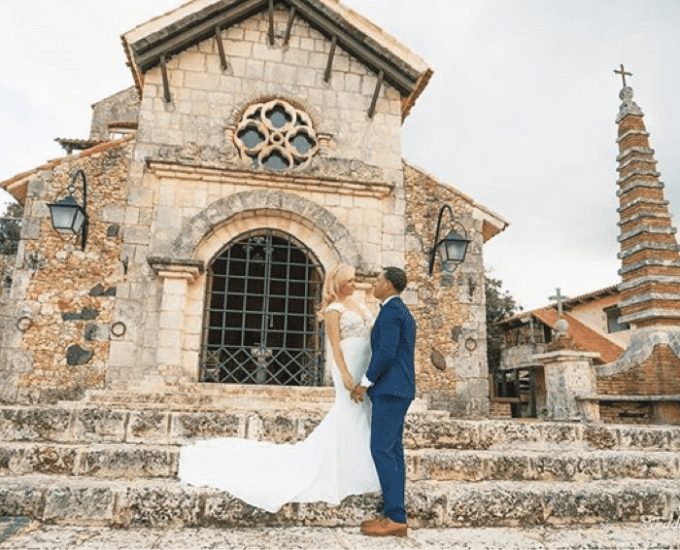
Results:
[277, 136]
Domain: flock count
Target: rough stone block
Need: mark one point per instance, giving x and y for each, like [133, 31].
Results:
[420, 433]
[508, 466]
[498, 435]
[644, 438]
[127, 462]
[47, 424]
[158, 506]
[600, 437]
[190, 426]
[224, 510]
[567, 467]
[640, 466]
[19, 499]
[493, 504]
[352, 511]
[148, 427]
[99, 425]
[79, 501]
[47, 459]
[452, 467]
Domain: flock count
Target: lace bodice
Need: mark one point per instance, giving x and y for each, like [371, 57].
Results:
[352, 324]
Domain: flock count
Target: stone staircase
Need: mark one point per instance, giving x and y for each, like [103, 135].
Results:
[108, 460]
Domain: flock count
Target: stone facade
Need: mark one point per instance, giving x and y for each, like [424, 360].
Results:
[449, 307]
[65, 296]
[128, 313]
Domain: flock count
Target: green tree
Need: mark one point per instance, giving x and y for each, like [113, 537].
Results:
[499, 305]
[10, 228]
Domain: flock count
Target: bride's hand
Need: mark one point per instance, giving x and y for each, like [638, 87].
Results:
[348, 382]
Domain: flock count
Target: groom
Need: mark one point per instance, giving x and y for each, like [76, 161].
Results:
[391, 384]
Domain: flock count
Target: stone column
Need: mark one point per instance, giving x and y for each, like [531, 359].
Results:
[568, 375]
[169, 357]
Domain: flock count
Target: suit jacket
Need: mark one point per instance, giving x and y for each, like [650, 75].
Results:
[392, 367]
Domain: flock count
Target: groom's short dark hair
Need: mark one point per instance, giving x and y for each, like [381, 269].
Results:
[397, 277]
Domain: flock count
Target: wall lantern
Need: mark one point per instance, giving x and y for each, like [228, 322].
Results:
[452, 248]
[68, 217]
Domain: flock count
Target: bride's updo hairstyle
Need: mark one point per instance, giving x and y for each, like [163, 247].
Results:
[336, 276]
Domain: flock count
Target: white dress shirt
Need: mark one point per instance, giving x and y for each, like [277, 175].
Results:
[365, 382]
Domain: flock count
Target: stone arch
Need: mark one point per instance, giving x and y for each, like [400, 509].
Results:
[208, 231]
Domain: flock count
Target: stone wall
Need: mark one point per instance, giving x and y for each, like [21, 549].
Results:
[65, 295]
[449, 307]
[120, 108]
[659, 374]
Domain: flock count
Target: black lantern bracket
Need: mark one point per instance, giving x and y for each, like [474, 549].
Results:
[69, 217]
[452, 248]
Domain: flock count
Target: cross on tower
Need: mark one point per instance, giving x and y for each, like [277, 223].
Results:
[559, 299]
[623, 74]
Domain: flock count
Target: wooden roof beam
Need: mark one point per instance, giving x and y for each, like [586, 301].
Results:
[271, 23]
[329, 65]
[402, 82]
[376, 94]
[289, 27]
[149, 57]
[220, 48]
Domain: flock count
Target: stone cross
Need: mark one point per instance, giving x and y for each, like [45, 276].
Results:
[623, 74]
[559, 299]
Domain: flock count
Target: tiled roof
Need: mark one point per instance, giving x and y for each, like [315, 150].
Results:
[16, 185]
[585, 337]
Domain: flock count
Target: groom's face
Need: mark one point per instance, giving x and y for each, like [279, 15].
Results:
[382, 287]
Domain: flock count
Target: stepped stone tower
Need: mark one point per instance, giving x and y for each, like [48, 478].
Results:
[650, 264]
[650, 275]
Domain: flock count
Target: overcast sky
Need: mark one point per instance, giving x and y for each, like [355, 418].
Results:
[519, 114]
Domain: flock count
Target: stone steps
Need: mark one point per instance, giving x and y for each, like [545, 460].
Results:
[431, 429]
[154, 503]
[138, 461]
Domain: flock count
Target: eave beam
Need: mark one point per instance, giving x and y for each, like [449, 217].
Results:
[220, 48]
[403, 83]
[289, 27]
[166, 81]
[149, 57]
[271, 23]
[376, 94]
[329, 65]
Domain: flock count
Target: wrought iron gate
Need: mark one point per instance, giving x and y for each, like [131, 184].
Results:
[260, 323]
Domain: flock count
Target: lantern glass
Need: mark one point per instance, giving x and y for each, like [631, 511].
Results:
[67, 216]
[452, 250]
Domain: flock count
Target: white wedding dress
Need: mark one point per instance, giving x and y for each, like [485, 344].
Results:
[333, 462]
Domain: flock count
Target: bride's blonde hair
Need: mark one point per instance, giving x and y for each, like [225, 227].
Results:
[337, 275]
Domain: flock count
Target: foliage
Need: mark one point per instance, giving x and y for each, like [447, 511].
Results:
[499, 305]
[10, 229]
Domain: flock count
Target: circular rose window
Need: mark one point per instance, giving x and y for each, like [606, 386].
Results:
[277, 136]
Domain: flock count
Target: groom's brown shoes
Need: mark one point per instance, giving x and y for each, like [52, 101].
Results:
[385, 528]
[371, 522]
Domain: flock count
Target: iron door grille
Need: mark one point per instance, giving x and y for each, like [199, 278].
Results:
[260, 323]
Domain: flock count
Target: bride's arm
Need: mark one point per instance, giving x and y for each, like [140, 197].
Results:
[332, 319]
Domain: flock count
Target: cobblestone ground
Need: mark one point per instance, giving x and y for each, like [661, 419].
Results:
[19, 533]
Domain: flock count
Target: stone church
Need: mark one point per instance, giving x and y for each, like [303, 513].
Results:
[259, 145]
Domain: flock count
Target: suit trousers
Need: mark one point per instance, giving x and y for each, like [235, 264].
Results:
[387, 449]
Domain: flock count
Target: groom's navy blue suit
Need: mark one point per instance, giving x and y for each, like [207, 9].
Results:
[392, 375]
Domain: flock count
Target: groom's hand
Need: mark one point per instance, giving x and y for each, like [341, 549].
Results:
[358, 393]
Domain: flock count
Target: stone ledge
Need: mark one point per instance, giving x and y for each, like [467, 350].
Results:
[429, 504]
[651, 398]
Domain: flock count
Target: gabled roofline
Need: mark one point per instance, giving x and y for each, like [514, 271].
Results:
[198, 20]
[492, 222]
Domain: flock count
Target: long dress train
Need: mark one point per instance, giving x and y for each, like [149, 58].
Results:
[334, 461]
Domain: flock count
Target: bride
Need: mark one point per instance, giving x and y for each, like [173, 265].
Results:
[335, 460]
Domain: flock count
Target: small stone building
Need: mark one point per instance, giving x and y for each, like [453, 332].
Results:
[259, 146]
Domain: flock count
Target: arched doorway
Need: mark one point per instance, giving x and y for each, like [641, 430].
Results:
[260, 324]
